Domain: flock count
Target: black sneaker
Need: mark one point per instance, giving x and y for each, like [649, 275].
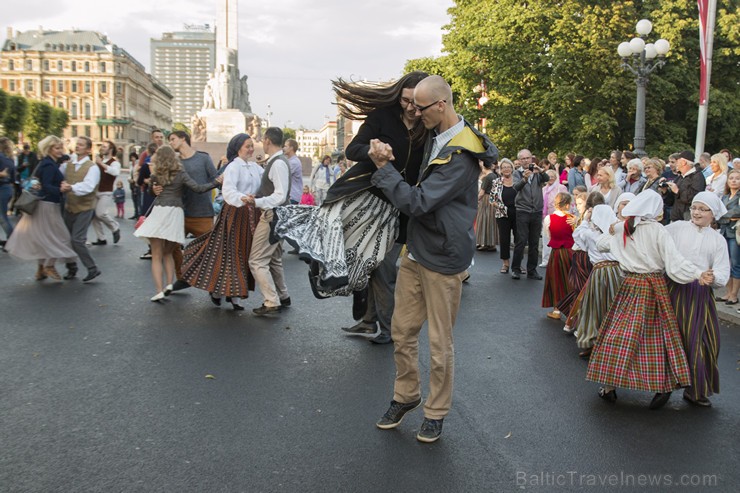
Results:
[91, 274]
[430, 431]
[395, 414]
[146, 256]
[99, 243]
[117, 236]
[267, 310]
[285, 302]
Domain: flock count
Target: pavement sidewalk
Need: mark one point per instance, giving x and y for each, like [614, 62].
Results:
[725, 312]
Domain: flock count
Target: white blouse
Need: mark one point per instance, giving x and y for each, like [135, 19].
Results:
[717, 185]
[650, 249]
[587, 235]
[241, 178]
[706, 248]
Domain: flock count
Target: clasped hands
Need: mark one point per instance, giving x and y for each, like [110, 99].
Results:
[248, 199]
[707, 278]
[380, 153]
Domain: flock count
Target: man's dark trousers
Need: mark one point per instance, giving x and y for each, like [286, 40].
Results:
[528, 230]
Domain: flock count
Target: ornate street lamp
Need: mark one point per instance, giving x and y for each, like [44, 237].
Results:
[642, 59]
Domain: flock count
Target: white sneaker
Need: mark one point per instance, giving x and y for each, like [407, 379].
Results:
[157, 297]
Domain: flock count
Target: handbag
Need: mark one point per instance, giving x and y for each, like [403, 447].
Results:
[143, 217]
[27, 202]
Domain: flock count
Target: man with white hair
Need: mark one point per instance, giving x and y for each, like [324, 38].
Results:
[690, 183]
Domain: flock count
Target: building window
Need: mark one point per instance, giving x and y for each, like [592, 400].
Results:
[60, 86]
[11, 85]
[29, 64]
[87, 131]
[60, 105]
[46, 65]
[74, 66]
[87, 86]
[11, 65]
[103, 87]
[119, 87]
[87, 66]
[103, 110]
[74, 130]
[60, 66]
[102, 66]
[73, 111]
[74, 86]
[29, 85]
[47, 86]
[87, 111]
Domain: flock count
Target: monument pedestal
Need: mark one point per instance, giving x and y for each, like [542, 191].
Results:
[222, 125]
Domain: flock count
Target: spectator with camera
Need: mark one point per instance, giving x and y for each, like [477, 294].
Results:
[690, 183]
[528, 182]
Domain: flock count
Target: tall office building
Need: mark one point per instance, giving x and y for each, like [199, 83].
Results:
[183, 61]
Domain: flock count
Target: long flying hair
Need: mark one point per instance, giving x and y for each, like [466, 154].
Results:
[356, 100]
[166, 165]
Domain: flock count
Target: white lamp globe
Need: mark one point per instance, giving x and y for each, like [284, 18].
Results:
[650, 51]
[637, 45]
[662, 47]
[624, 49]
[644, 27]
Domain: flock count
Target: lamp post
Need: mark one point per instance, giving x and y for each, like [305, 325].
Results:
[482, 100]
[642, 59]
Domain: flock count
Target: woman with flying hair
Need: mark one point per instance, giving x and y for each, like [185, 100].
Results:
[346, 238]
[43, 236]
[164, 228]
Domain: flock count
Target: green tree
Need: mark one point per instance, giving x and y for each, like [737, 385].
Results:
[554, 80]
[14, 116]
[59, 121]
[288, 133]
[179, 126]
[3, 103]
[38, 121]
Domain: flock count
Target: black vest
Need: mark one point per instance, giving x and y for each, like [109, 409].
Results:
[267, 187]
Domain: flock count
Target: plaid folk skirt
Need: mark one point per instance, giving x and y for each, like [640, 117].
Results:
[598, 295]
[556, 277]
[639, 346]
[696, 314]
[580, 268]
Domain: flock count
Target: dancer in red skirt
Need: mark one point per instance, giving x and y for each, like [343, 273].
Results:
[639, 346]
[561, 242]
[696, 310]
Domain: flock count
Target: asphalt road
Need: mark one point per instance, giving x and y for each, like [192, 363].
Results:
[102, 390]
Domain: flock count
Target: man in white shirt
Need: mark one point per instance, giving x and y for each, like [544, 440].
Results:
[81, 179]
[110, 168]
[266, 257]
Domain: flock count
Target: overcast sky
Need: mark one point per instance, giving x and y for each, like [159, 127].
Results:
[290, 49]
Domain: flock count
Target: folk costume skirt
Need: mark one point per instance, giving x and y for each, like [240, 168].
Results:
[41, 236]
[556, 277]
[486, 229]
[598, 294]
[639, 346]
[217, 262]
[696, 313]
[343, 241]
[580, 268]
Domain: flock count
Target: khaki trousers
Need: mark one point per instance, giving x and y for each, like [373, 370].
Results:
[266, 263]
[197, 226]
[424, 295]
[102, 215]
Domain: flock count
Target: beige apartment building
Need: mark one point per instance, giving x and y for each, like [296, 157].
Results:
[107, 93]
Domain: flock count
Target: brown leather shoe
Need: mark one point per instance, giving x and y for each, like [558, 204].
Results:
[52, 272]
[40, 273]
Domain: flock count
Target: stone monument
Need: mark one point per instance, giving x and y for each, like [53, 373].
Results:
[226, 109]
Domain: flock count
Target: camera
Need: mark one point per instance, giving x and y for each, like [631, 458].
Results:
[663, 184]
[531, 167]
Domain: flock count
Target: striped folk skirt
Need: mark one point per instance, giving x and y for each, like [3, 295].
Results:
[217, 262]
[556, 277]
[639, 346]
[580, 268]
[486, 229]
[696, 313]
[598, 295]
[343, 241]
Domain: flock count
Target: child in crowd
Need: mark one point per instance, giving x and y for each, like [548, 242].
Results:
[307, 197]
[561, 242]
[119, 197]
